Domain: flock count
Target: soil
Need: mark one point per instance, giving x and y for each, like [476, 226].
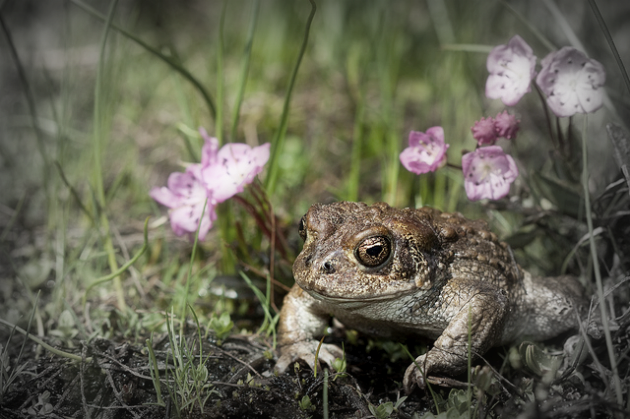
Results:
[115, 382]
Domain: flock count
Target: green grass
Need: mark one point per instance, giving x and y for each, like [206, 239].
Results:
[335, 88]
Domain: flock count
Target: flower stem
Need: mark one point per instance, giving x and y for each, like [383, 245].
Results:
[569, 147]
[453, 166]
[561, 143]
[598, 277]
[547, 117]
[190, 267]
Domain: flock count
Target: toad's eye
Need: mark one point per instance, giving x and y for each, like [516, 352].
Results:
[373, 251]
[302, 228]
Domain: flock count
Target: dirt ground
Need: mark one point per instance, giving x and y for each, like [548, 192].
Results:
[116, 383]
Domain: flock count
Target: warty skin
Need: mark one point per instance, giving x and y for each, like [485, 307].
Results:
[394, 272]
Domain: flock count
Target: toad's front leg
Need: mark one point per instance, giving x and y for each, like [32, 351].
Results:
[301, 321]
[480, 315]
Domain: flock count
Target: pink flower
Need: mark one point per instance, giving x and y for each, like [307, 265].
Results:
[484, 131]
[210, 148]
[186, 196]
[220, 175]
[506, 125]
[511, 68]
[426, 152]
[571, 82]
[209, 153]
[488, 173]
[234, 166]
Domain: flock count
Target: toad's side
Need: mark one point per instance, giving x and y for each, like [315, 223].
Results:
[390, 272]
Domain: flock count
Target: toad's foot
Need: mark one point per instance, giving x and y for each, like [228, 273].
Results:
[415, 375]
[306, 351]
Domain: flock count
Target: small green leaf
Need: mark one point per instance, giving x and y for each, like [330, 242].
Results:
[222, 325]
[306, 405]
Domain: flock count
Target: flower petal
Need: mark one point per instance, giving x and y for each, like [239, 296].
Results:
[426, 151]
[164, 196]
[210, 148]
[511, 69]
[571, 82]
[237, 165]
[488, 173]
[186, 219]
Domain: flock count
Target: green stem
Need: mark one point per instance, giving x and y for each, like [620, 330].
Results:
[482, 49]
[155, 372]
[244, 70]
[355, 159]
[168, 60]
[98, 170]
[611, 43]
[123, 268]
[192, 260]
[278, 140]
[45, 345]
[546, 109]
[75, 194]
[527, 22]
[218, 132]
[560, 137]
[598, 277]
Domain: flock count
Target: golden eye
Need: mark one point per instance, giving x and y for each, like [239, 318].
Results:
[373, 251]
[302, 228]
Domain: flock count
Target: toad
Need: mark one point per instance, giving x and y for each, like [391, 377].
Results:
[394, 272]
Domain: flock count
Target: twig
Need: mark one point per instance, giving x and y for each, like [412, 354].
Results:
[117, 394]
[65, 394]
[240, 361]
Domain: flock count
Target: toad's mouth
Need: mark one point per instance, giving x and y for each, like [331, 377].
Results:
[362, 298]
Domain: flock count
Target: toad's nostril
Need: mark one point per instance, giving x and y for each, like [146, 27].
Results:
[328, 267]
[307, 261]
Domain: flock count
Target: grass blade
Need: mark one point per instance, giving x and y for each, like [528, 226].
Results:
[168, 60]
[611, 43]
[598, 277]
[244, 70]
[218, 132]
[278, 140]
